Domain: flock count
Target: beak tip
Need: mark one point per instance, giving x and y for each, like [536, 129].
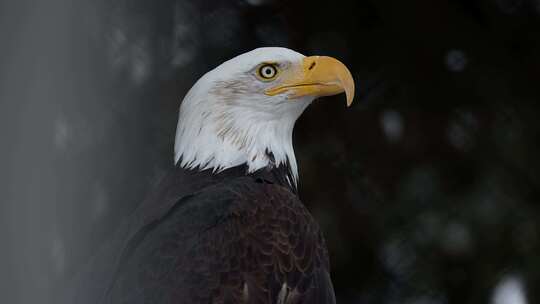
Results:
[350, 97]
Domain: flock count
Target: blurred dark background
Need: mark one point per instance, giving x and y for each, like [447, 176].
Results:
[427, 188]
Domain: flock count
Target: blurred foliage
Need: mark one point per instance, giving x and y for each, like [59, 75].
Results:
[427, 188]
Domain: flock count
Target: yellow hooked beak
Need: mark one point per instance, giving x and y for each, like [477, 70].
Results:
[318, 76]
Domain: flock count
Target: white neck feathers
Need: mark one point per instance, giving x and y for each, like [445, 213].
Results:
[221, 125]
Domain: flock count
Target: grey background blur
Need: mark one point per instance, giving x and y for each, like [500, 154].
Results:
[427, 189]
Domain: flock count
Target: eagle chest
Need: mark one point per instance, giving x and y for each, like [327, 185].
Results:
[266, 246]
[234, 242]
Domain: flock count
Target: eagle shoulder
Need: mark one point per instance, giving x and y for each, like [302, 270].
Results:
[244, 240]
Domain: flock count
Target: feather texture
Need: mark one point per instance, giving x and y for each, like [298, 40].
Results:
[221, 238]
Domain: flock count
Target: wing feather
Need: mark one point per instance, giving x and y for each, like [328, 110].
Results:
[239, 241]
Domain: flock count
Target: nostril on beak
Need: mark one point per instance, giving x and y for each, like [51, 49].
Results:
[312, 65]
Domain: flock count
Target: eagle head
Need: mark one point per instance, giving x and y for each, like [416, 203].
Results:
[244, 110]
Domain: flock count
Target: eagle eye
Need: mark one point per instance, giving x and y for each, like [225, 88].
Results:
[267, 72]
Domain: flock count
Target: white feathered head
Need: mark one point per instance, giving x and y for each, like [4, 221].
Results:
[244, 111]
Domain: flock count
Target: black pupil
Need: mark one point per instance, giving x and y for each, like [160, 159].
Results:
[268, 71]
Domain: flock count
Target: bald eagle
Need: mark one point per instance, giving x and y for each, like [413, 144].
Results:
[226, 224]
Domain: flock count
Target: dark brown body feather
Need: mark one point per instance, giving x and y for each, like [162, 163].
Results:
[204, 238]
